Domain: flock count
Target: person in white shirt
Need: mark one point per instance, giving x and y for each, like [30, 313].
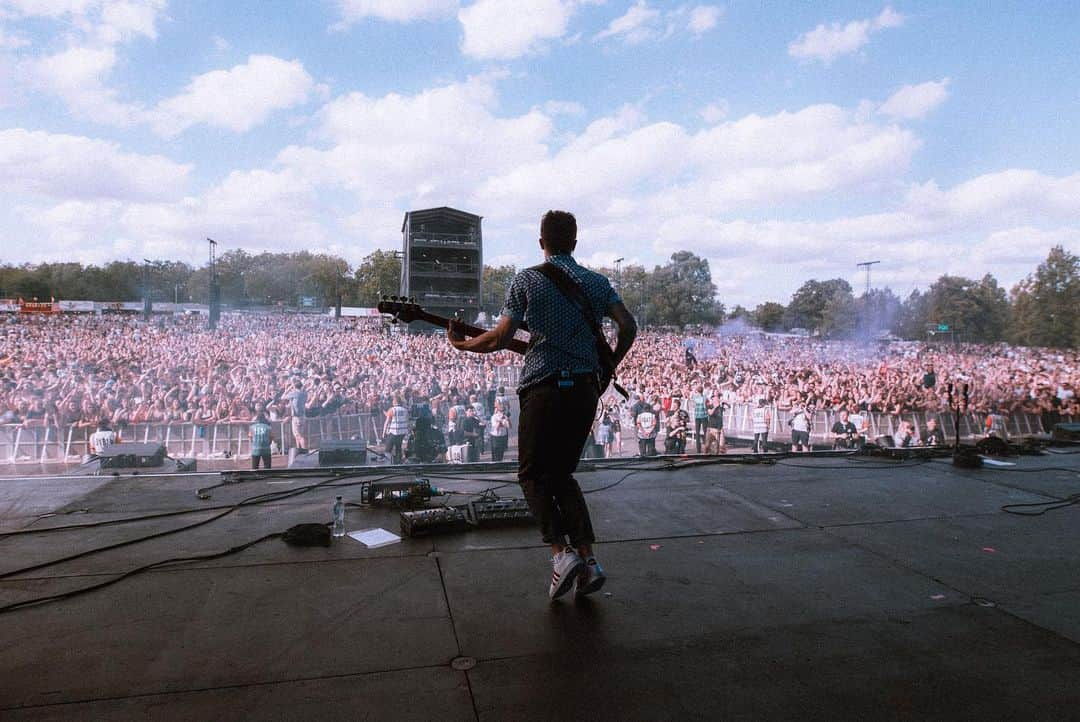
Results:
[800, 430]
[499, 431]
[103, 438]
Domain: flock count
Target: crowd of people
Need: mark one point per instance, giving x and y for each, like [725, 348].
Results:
[84, 369]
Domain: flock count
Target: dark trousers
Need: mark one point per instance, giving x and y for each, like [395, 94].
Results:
[647, 447]
[265, 460]
[699, 432]
[474, 449]
[498, 447]
[552, 428]
[393, 446]
[760, 440]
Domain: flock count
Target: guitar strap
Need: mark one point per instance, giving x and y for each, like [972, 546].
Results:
[573, 293]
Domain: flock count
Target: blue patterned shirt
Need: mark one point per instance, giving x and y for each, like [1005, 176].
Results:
[560, 337]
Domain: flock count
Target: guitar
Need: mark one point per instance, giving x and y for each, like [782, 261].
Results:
[408, 310]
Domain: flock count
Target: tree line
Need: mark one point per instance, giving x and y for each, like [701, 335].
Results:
[1038, 311]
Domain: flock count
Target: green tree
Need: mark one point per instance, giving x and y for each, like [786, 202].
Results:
[683, 292]
[973, 310]
[824, 307]
[496, 282]
[911, 320]
[768, 316]
[877, 311]
[1044, 308]
[632, 283]
[378, 274]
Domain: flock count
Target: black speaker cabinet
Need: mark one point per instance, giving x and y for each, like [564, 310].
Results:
[350, 452]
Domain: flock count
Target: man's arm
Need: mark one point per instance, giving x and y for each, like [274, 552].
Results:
[496, 339]
[627, 330]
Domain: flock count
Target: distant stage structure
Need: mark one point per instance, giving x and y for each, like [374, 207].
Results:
[443, 261]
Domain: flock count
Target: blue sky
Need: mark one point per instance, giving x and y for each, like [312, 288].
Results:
[782, 141]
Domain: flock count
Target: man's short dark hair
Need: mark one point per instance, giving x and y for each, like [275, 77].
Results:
[559, 231]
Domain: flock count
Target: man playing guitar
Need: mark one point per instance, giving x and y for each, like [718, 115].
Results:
[562, 378]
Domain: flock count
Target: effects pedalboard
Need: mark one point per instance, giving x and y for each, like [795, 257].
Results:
[459, 518]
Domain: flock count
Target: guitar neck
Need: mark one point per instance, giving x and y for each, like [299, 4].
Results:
[515, 345]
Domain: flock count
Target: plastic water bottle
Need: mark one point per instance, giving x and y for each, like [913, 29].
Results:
[339, 517]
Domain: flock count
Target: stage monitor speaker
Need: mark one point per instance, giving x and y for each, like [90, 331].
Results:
[1066, 432]
[343, 452]
[132, 456]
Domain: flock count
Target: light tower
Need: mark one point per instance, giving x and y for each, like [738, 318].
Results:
[867, 264]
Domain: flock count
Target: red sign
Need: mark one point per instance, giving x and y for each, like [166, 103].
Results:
[38, 307]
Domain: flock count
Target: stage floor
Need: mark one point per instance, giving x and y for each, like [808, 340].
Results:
[810, 588]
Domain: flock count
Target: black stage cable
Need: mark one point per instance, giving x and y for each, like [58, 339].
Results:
[108, 522]
[620, 480]
[138, 570]
[179, 512]
[250, 501]
[1038, 508]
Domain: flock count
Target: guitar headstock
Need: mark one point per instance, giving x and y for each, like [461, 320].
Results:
[400, 307]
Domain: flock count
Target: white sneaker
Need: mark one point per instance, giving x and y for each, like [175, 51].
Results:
[566, 567]
[591, 579]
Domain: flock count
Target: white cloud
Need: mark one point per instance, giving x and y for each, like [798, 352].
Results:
[398, 11]
[1002, 223]
[634, 26]
[71, 167]
[713, 113]
[78, 77]
[405, 147]
[564, 107]
[641, 22]
[123, 20]
[620, 162]
[828, 42]
[506, 29]
[237, 99]
[912, 102]
[11, 41]
[704, 18]
[106, 21]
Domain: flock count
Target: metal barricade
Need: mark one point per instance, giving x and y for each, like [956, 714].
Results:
[69, 444]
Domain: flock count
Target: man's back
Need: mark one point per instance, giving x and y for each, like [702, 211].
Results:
[561, 339]
[102, 439]
[260, 437]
